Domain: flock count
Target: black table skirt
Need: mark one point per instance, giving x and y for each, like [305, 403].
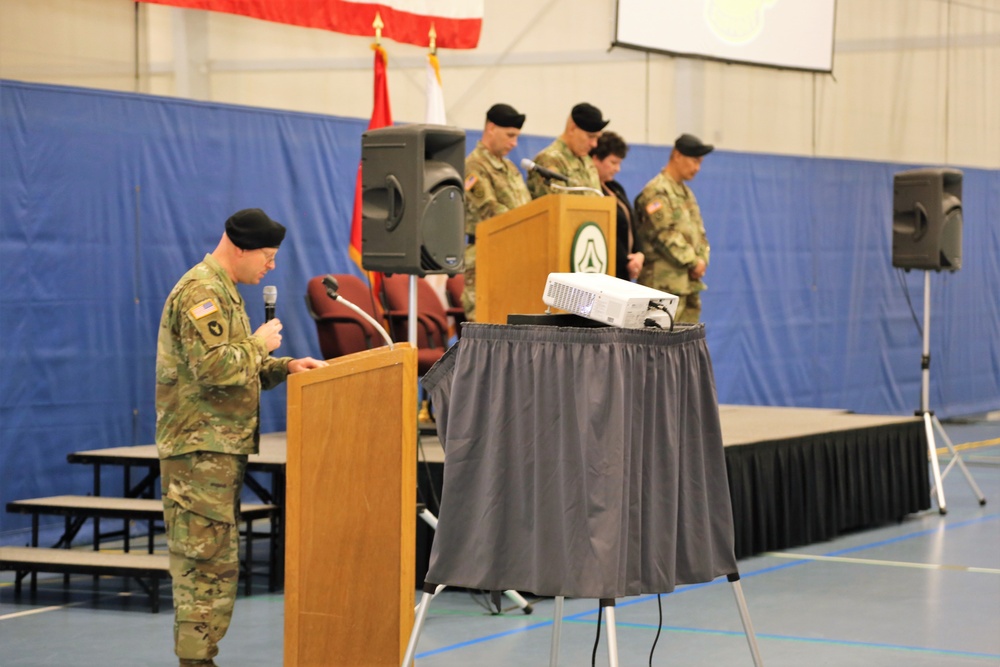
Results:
[799, 491]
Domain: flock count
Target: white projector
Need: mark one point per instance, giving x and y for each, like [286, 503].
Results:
[604, 298]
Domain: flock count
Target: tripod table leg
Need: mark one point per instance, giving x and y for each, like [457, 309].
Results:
[557, 615]
[609, 609]
[418, 623]
[741, 603]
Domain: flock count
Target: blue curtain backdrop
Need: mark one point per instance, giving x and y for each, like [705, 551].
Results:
[107, 198]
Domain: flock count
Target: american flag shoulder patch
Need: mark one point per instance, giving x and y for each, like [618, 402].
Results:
[206, 307]
[654, 206]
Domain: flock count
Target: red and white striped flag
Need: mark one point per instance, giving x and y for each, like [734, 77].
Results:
[457, 23]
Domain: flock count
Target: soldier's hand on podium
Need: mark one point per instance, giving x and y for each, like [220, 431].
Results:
[305, 364]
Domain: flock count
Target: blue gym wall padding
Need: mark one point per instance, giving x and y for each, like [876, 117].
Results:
[107, 198]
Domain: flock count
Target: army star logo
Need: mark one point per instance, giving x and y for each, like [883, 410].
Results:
[589, 251]
[215, 328]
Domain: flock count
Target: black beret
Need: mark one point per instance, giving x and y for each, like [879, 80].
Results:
[588, 117]
[251, 229]
[504, 115]
[691, 146]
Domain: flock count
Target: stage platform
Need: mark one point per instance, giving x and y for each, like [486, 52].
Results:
[799, 475]
[796, 475]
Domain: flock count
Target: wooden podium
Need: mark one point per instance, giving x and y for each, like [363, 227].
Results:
[351, 510]
[517, 250]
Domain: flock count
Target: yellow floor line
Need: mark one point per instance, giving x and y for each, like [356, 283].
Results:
[888, 563]
[970, 445]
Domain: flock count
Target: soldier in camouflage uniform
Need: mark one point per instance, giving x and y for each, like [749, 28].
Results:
[569, 155]
[493, 185]
[210, 371]
[671, 232]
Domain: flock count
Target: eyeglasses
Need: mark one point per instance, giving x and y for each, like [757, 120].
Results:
[268, 259]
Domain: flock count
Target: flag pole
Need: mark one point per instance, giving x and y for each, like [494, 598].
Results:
[378, 25]
[381, 116]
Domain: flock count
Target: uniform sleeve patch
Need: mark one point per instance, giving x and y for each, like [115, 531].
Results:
[470, 181]
[203, 309]
[654, 206]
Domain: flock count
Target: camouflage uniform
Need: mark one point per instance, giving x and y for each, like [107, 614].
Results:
[559, 158]
[672, 236]
[209, 374]
[493, 185]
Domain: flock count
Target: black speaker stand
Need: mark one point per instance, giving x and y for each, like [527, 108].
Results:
[931, 422]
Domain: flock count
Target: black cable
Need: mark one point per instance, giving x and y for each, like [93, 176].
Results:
[430, 479]
[597, 638]
[482, 599]
[659, 606]
[422, 458]
[906, 293]
[660, 306]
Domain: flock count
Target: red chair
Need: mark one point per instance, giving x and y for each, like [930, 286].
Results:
[432, 320]
[454, 288]
[342, 331]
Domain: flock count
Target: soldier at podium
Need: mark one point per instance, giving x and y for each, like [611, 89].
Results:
[210, 370]
[569, 155]
[493, 185]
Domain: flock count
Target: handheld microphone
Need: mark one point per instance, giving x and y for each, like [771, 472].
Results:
[270, 299]
[547, 174]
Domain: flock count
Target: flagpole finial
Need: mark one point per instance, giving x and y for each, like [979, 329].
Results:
[432, 38]
[378, 25]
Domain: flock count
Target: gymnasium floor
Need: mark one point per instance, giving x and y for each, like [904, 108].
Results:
[924, 592]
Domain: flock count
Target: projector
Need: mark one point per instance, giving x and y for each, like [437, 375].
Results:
[604, 298]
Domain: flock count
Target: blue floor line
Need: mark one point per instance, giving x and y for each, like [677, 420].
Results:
[486, 638]
[811, 640]
[922, 533]
[578, 617]
[726, 633]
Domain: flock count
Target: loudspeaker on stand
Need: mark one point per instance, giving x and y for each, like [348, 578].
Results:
[927, 219]
[413, 210]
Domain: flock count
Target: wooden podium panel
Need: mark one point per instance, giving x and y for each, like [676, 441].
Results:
[516, 251]
[351, 510]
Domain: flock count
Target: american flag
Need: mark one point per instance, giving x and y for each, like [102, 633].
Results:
[203, 309]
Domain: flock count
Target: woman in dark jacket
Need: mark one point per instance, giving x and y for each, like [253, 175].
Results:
[607, 156]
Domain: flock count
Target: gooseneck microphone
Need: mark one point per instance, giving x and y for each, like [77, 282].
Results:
[332, 287]
[270, 300]
[547, 174]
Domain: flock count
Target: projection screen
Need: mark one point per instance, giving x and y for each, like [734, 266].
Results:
[790, 34]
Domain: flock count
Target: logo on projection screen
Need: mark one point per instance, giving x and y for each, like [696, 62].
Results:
[792, 34]
[736, 21]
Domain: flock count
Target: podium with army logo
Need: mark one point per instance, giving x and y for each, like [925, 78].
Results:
[516, 251]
